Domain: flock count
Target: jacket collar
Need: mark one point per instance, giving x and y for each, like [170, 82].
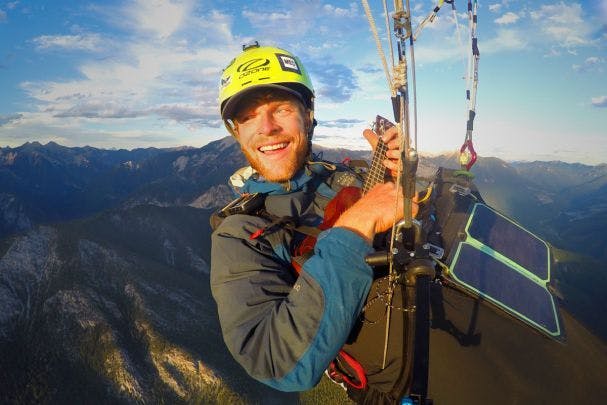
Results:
[248, 181]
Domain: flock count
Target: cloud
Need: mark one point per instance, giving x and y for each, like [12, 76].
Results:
[85, 42]
[2, 16]
[508, 18]
[505, 40]
[353, 11]
[70, 132]
[259, 20]
[90, 108]
[216, 27]
[603, 11]
[495, 8]
[278, 23]
[341, 123]
[554, 29]
[189, 114]
[294, 19]
[563, 24]
[160, 18]
[165, 78]
[437, 53]
[334, 82]
[97, 110]
[318, 49]
[591, 64]
[9, 119]
[369, 68]
[600, 101]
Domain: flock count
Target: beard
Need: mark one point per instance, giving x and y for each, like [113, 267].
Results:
[278, 172]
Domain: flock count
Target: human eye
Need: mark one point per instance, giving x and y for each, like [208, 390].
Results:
[284, 110]
[245, 117]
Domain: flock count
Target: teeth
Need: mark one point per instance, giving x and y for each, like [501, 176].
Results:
[273, 147]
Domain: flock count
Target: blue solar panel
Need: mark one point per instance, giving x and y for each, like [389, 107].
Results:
[508, 266]
[511, 240]
[479, 270]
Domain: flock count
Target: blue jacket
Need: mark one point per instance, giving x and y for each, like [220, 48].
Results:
[283, 329]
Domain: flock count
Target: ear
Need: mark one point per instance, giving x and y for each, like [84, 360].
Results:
[309, 120]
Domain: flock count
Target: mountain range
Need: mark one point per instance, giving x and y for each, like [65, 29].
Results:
[104, 263]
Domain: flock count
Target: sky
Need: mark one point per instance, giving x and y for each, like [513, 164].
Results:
[145, 73]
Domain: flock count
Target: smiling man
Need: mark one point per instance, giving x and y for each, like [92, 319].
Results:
[283, 123]
[283, 325]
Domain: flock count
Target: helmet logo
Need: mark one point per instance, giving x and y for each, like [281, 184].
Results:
[226, 81]
[288, 63]
[253, 66]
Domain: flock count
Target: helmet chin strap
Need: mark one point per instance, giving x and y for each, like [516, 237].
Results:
[311, 126]
[230, 127]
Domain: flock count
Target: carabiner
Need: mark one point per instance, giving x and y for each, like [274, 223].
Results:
[467, 154]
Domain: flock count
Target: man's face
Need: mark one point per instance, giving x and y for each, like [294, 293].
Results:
[272, 132]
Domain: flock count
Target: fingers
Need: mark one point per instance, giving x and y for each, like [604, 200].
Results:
[390, 138]
[392, 141]
[382, 194]
[371, 137]
[391, 165]
[392, 161]
[391, 135]
[378, 205]
[393, 154]
[383, 197]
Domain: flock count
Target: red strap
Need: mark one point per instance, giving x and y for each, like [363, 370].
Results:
[354, 366]
[257, 233]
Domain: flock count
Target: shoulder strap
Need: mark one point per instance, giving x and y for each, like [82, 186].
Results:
[247, 204]
[326, 184]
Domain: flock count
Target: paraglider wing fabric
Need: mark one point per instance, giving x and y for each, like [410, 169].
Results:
[478, 356]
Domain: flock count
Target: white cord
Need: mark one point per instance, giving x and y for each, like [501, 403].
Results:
[380, 50]
[388, 34]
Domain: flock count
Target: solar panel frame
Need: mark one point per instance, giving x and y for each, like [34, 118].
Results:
[545, 305]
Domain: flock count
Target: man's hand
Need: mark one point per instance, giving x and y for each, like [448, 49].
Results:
[392, 141]
[375, 212]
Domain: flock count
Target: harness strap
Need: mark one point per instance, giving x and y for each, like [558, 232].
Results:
[345, 369]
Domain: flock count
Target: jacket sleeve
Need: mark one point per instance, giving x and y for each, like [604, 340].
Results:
[284, 330]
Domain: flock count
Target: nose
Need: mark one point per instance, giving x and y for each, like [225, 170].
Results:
[267, 123]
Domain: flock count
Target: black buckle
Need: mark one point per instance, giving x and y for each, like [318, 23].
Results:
[245, 204]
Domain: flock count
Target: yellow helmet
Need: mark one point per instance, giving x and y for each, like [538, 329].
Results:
[263, 66]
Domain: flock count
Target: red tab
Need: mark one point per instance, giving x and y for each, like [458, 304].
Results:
[257, 234]
[359, 380]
